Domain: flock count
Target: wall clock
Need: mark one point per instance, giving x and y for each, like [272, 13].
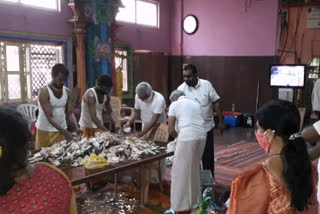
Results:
[190, 24]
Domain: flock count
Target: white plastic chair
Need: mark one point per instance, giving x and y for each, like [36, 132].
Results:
[28, 112]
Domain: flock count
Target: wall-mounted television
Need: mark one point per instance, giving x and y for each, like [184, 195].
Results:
[287, 76]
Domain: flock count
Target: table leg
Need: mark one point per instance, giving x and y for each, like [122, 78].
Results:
[141, 185]
[147, 181]
[115, 184]
[160, 177]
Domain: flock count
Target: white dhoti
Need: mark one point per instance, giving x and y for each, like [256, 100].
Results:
[185, 175]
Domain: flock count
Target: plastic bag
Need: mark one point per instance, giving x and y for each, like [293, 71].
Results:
[169, 161]
[171, 211]
[171, 147]
[207, 206]
[94, 162]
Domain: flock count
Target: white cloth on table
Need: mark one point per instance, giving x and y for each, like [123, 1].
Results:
[205, 94]
[58, 111]
[171, 147]
[185, 175]
[156, 106]
[85, 118]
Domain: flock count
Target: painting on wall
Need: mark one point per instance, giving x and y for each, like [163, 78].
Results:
[104, 49]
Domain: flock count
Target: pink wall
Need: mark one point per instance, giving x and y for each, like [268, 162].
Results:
[227, 29]
[20, 18]
[148, 38]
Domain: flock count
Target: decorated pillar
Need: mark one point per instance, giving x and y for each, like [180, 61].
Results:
[95, 54]
[80, 24]
[99, 51]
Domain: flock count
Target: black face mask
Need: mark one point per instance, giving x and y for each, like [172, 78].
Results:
[189, 82]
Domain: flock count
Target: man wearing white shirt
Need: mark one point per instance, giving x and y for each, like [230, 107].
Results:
[188, 126]
[315, 100]
[312, 134]
[203, 92]
[149, 106]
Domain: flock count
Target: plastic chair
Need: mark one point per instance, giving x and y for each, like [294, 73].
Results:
[117, 109]
[28, 112]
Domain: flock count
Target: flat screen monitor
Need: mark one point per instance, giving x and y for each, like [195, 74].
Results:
[287, 76]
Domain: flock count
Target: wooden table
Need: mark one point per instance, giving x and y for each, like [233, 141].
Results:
[113, 169]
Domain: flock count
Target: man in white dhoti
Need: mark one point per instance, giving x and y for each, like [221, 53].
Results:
[191, 138]
[150, 107]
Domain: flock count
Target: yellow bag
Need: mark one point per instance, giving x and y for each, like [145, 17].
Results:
[94, 162]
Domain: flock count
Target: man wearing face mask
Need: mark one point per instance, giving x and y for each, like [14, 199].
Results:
[55, 110]
[150, 106]
[93, 102]
[203, 92]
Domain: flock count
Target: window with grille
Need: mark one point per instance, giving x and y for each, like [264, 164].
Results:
[121, 61]
[25, 68]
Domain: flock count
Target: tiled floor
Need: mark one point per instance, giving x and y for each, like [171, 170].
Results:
[234, 135]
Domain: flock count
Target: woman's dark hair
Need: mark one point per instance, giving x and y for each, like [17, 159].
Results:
[59, 69]
[283, 117]
[14, 137]
[105, 80]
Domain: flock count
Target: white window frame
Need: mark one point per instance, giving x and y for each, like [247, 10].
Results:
[25, 70]
[124, 68]
[19, 3]
[4, 86]
[135, 14]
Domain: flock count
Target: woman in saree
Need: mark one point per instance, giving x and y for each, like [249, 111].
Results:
[286, 181]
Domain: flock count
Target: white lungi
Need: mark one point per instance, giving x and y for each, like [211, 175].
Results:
[185, 175]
